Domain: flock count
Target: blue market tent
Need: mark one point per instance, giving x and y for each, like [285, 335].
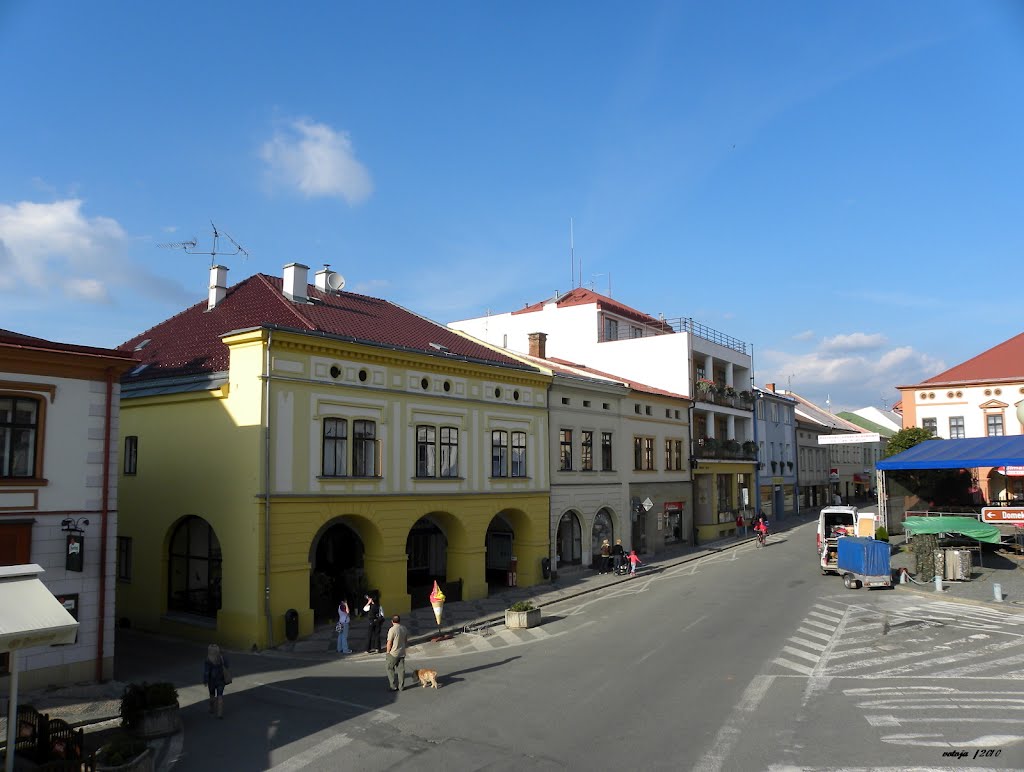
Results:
[959, 454]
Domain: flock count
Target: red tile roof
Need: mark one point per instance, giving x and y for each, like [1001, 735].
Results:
[1004, 362]
[189, 343]
[581, 297]
[11, 339]
[635, 385]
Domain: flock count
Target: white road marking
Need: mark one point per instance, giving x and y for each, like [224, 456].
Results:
[815, 633]
[814, 623]
[809, 644]
[330, 745]
[377, 714]
[799, 653]
[793, 665]
[730, 733]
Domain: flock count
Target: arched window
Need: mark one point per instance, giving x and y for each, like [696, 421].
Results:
[194, 569]
[602, 530]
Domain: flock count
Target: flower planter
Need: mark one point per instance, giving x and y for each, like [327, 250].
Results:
[158, 722]
[141, 763]
[519, 620]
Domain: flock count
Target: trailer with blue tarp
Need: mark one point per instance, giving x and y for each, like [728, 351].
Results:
[863, 561]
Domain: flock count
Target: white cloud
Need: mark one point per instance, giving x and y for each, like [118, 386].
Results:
[852, 380]
[54, 244]
[317, 161]
[54, 248]
[805, 335]
[857, 341]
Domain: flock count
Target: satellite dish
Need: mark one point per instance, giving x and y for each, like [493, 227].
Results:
[335, 282]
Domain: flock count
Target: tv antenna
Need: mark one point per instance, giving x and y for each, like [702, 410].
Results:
[191, 246]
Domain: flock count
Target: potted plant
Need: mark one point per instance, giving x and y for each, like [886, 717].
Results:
[775, 465]
[729, 391]
[522, 614]
[745, 396]
[790, 465]
[750, 448]
[710, 445]
[150, 710]
[731, 446]
[704, 388]
[124, 754]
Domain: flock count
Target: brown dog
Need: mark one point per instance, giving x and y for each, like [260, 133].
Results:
[427, 677]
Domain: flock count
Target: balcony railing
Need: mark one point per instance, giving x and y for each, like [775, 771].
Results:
[630, 329]
[736, 400]
[727, 450]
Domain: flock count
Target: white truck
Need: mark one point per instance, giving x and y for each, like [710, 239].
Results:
[837, 521]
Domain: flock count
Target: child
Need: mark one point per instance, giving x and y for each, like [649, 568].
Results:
[634, 561]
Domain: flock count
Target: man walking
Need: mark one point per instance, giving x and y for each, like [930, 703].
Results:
[398, 638]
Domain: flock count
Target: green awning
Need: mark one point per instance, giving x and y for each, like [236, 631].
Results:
[966, 526]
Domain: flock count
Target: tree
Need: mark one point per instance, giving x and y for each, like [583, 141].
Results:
[937, 487]
[905, 439]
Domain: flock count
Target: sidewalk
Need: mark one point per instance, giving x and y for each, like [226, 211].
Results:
[96, 707]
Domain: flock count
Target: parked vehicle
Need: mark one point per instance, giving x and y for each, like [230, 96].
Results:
[863, 561]
[833, 522]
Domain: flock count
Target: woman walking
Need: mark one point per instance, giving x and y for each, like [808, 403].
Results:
[215, 677]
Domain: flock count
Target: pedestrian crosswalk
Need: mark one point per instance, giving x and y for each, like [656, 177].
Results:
[898, 639]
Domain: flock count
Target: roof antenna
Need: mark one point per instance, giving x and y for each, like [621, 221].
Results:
[572, 256]
[190, 246]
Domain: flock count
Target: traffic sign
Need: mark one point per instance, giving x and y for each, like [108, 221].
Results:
[648, 504]
[1002, 514]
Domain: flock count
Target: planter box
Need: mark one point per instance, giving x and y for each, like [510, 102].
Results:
[158, 722]
[141, 763]
[518, 620]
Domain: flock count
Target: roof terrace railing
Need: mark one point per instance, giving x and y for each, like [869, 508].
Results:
[627, 330]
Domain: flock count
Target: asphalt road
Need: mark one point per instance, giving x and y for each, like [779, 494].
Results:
[746, 660]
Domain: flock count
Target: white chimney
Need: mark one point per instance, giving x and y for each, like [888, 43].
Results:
[218, 285]
[321, 278]
[295, 285]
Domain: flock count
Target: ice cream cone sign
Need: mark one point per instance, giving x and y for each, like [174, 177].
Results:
[436, 602]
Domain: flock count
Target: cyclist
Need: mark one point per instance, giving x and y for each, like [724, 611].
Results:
[761, 529]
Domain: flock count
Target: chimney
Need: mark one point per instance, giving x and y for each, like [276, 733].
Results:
[320, 278]
[770, 387]
[539, 345]
[218, 285]
[295, 282]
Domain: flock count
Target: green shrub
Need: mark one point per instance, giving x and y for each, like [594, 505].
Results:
[881, 534]
[120, 751]
[521, 605]
[138, 698]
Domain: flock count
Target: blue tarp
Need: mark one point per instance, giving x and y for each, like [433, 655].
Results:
[959, 454]
[863, 555]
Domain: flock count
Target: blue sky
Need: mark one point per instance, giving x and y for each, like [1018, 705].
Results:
[839, 184]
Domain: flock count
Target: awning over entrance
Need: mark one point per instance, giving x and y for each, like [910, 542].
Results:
[30, 615]
[959, 454]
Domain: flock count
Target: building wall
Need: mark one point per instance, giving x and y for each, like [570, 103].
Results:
[207, 457]
[73, 433]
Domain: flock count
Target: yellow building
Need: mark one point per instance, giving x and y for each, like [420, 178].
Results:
[289, 445]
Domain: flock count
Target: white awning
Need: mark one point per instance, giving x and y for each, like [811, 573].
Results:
[29, 614]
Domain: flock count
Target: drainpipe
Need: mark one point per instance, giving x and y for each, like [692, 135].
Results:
[104, 516]
[266, 493]
[757, 464]
[693, 475]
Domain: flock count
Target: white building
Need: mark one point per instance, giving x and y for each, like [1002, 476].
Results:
[679, 356]
[59, 407]
[982, 397]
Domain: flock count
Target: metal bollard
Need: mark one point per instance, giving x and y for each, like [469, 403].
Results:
[938, 583]
[997, 592]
